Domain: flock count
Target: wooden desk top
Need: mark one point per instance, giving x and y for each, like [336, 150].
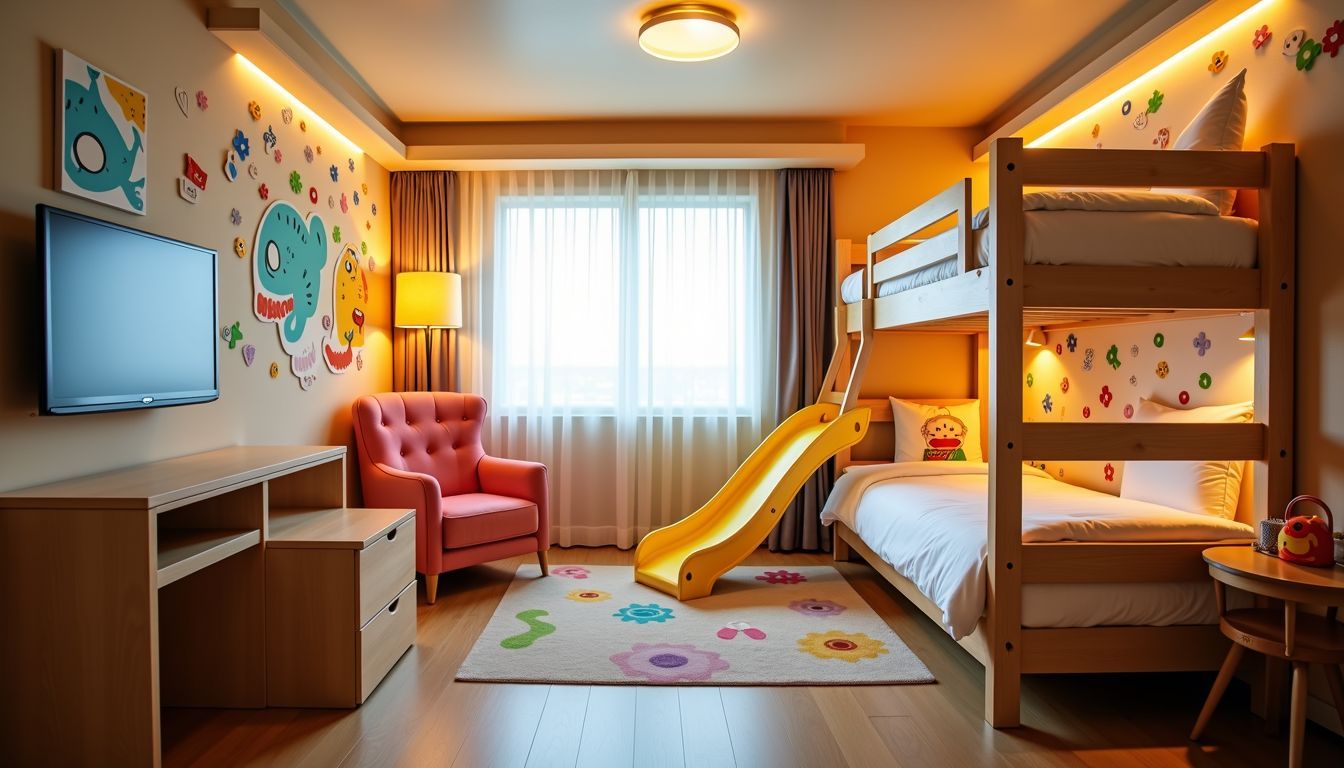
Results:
[1245, 564]
[332, 528]
[146, 486]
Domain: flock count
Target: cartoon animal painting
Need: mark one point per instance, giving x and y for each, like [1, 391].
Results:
[102, 149]
[944, 435]
[350, 303]
[289, 256]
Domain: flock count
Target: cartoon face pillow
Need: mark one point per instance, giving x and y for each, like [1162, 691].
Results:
[945, 432]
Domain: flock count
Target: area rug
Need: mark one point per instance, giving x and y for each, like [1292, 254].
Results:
[762, 626]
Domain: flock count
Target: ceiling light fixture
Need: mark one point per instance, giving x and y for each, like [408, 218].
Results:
[689, 32]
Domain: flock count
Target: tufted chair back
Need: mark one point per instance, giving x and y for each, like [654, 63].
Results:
[434, 433]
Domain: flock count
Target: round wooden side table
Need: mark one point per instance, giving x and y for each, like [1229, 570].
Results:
[1283, 633]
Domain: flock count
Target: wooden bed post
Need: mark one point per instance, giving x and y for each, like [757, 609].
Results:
[1273, 478]
[1003, 673]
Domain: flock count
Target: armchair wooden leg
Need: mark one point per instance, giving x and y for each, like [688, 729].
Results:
[541, 559]
[431, 587]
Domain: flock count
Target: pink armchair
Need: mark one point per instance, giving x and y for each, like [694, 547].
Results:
[423, 450]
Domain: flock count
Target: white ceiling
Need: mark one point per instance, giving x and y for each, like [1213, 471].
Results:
[896, 62]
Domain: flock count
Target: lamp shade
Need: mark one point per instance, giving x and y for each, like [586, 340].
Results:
[428, 300]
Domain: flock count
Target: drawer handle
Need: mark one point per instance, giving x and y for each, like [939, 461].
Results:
[392, 534]
[392, 608]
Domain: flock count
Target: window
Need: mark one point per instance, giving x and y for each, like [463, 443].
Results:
[640, 300]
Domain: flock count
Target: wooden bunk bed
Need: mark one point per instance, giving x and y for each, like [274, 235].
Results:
[997, 303]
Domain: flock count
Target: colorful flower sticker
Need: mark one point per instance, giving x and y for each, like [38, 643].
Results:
[368, 224]
[312, 195]
[336, 234]
[1072, 342]
[1096, 130]
[1126, 107]
[363, 248]
[331, 201]
[295, 182]
[326, 322]
[1163, 370]
[1129, 411]
[345, 206]
[287, 115]
[1155, 102]
[373, 208]
[252, 171]
[669, 663]
[1293, 42]
[263, 191]
[364, 188]
[644, 614]
[1333, 38]
[1163, 138]
[1059, 349]
[303, 126]
[278, 156]
[1307, 54]
[1064, 385]
[359, 361]
[570, 571]
[319, 150]
[1141, 121]
[1106, 397]
[202, 101]
[235, 217]
[240, 247]
[1133, 350]
[1087, 412]
[1031, 380]
[781, 577]
[240, 145]
[1113, 357]
[1202, 343]
[335, 172]
[1205, 380]
[1261, 37]
[1046, 404]
[814, 607]
[254, 109]
[1218, 62]
[249, 354]
[844, 646]
[275, 370]
[1184, 397]
[372, 265]
[1133, 381]
[1108, 472]
[354, 197]
[1087, 359]
[732, 628]
[308, 154]
[350, 163]
[588, 595]
[1159, 340]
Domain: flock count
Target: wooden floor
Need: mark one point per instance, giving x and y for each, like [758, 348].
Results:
[421, 717]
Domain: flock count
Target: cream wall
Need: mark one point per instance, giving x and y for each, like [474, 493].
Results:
[157, 46]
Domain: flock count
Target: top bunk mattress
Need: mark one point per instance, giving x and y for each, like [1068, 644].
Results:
[1101, 238]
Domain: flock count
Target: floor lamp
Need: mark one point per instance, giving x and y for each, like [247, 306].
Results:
[428, 300]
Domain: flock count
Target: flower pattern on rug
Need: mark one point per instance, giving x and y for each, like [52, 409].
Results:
[588, 595]
[835, 644]
[643, 614]
[669, 662]
[781, 577]
[814, 607]
[570, 571]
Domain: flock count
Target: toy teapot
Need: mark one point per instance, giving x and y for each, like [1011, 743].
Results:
[1307, 540]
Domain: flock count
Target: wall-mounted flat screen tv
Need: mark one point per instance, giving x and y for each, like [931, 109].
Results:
[130, 317]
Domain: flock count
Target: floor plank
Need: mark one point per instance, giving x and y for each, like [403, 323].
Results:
[421, 716]
[704, 728]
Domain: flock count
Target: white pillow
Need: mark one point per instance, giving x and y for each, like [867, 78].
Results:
[1220, 125]
[937, 432]
[1203, 487]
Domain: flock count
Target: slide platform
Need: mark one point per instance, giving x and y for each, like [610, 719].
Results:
[686, 558]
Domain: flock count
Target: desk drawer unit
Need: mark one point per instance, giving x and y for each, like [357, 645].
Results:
[340, 608]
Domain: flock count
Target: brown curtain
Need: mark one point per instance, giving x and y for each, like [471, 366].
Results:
[806, 301]
[424, 238]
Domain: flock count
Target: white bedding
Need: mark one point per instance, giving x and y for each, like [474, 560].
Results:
[927, 519]
[1102, 238]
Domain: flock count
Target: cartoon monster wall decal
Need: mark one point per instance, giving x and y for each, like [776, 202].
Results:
[944, 435]
[350, 303]
[101, 139]
[289, 255]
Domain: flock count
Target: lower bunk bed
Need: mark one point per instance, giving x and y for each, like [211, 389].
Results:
[1111, 584]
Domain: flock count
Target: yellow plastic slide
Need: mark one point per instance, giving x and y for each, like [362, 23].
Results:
[686, 558]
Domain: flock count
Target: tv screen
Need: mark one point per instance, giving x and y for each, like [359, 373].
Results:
[130, 317]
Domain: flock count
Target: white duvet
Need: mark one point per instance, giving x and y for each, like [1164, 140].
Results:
[928, 520]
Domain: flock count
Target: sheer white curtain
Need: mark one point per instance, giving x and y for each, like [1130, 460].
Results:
[623, 326]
